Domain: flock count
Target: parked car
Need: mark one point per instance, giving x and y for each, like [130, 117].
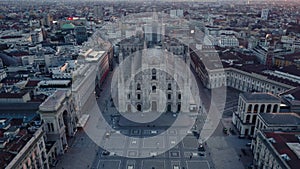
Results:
[105, 153]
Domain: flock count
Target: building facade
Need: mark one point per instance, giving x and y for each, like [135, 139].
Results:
[277, 150]
[153, 82]
[58, 114]
[215, 72]
[32, 155]
[249, 105]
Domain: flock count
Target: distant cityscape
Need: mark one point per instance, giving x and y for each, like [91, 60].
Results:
[203, 84]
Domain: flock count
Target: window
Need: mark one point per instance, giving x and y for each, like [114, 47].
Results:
[153, 88]
[169, 96]
[248, 118]
[153, 74]
[52, 127]
[269, 108]
[262, 108]
[179, 107]
[275, 108]
[139, 107]
[169, 86]
[138, 86]
[49, 127]
[179, 96]
[249, 108]
[254, 119]
[256, 108]
[138, 96]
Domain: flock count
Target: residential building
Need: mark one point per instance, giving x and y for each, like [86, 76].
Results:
[291, 99]
[1, 66]
[278, 150]
[265, 14]
[98, 11]
[176, 13]
[2, 74]
[80, 34]
[21, 146]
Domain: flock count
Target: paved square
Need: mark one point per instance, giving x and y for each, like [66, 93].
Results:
[131, 164]
[153, 142]
[191, 154]
[132, 153]
[197, 165]
[134, 142]
[190, 142]
[109, 164]
[175, 154]
[149, 164]
[115, 142]
[135, 132]
[172, 132]
[175, 164]
[125, 132]
[147, 132]
[173, 140]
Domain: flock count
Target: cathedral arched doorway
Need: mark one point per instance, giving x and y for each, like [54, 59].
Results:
[129, 108]
[139, 107]
[179, 107]
[154, 106]
[169, 108]
[153, 88]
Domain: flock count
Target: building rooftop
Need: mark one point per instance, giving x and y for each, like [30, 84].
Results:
[285, 119]
[20, 141]
[286, 143]
[260, 97]
[53, 102]
[32, 83]
[295, 93]
[12, 95]
[94, 56]
[292, 96]
[68, 26]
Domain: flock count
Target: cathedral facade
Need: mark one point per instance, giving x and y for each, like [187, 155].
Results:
[154, 80]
